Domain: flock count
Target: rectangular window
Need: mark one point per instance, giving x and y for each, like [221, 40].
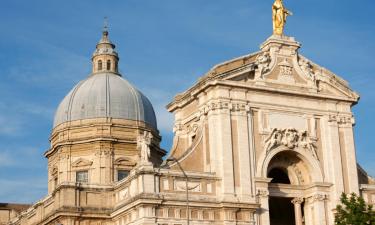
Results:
[82, 176]
[121, 174]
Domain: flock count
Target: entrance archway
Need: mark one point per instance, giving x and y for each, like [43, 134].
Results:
[288, 173]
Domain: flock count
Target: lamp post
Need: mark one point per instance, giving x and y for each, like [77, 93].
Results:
[172, 159]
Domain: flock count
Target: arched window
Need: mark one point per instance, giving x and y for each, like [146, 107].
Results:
[108, 64]
[116, 65]
[100, 65]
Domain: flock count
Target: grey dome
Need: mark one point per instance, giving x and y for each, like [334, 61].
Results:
[105, 95]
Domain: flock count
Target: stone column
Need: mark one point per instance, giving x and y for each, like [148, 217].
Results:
[297, 210]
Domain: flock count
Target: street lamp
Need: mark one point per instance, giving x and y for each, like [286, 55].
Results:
[172, 159]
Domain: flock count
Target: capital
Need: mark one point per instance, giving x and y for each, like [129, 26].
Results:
[297, 201]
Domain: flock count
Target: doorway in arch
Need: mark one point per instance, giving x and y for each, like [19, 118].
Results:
[281, 211]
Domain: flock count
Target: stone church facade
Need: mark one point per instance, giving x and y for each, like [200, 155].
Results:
[262, 139]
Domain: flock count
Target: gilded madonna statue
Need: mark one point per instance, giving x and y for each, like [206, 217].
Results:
[279, 14]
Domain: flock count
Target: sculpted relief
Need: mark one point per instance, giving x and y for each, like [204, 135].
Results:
[263, 61]
[290, 138]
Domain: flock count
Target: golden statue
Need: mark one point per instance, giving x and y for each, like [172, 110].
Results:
[279, 14]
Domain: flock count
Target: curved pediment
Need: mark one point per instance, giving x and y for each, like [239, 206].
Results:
[124, 161]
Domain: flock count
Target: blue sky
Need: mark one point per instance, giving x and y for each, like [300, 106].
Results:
[164, 47]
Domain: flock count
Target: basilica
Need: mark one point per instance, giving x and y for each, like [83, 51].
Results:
[262, 139]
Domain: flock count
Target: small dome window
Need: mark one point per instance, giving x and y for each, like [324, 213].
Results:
[108, 64]
[100, 65]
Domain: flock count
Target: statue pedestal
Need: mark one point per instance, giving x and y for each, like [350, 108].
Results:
[280, 41]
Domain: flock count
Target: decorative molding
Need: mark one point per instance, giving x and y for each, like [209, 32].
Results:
[290, 138]
[263, 193]
[238, 107]
[192, 186]
[297, 201]
[219, 105]
[345, 120]
[319, 197]
[124, 161]
[82, 163]
[103, 152]
[341, 119]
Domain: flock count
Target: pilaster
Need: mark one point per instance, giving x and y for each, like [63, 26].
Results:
[221, 147]
[244, 161]
[333, 151]
[348, 149]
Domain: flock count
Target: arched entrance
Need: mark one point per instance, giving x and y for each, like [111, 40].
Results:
[287, 173]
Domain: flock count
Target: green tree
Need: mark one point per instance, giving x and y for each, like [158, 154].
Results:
[354, 211]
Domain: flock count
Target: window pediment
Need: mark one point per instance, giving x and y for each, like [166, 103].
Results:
[81, 163]
[124, 161]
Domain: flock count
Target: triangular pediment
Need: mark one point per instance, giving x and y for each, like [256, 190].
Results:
[81, 163]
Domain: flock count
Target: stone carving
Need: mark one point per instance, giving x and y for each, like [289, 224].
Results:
[263, 193]
[143, 144]
[285, 68]
[226, 105]
[273, 140]
[177, 127]
[332, 118]
[319, 197]
[103, 152]
[341, 120]
[237, 107]
[306, 67]
[308, 143]
[286, 72]
[290, 138]
[297, 201]
[263, 61]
